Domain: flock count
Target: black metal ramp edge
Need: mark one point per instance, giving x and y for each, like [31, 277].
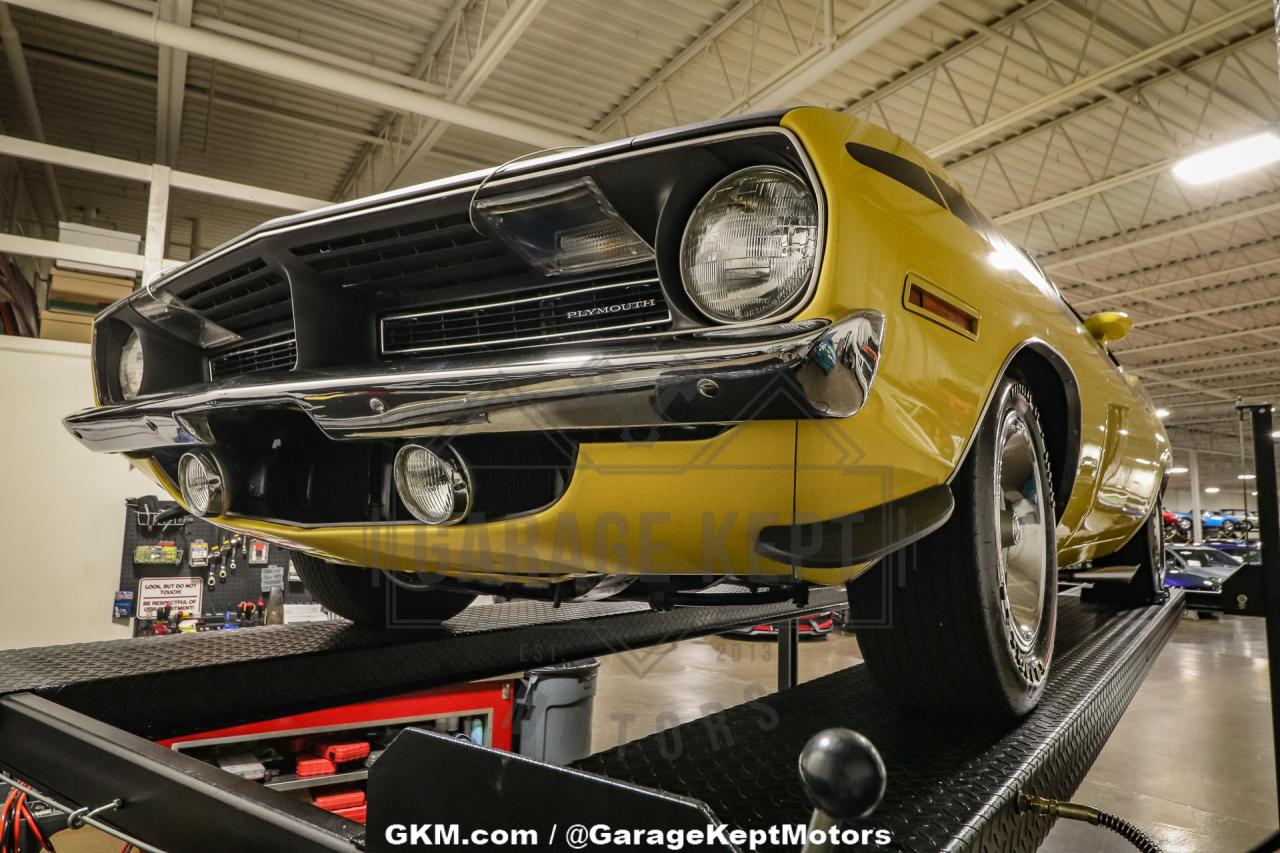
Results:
[165, 686]
[952, 783]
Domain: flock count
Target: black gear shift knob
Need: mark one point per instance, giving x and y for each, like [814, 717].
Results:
[842, 773]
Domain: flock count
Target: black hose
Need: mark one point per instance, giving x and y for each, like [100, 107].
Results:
[1128, 831]
[1088, 814]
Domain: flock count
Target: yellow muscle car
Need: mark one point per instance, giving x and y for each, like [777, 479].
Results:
[782, 349]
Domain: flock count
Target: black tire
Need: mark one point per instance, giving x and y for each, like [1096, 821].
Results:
[370, 598]
[1144, 550]
[952, 643]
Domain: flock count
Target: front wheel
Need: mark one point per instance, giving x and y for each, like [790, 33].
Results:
[971, 623]
[377, 599]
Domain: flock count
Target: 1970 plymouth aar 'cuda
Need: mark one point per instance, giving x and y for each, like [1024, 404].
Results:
[780, 348]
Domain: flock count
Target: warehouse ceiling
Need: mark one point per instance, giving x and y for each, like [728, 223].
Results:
[1060, 117]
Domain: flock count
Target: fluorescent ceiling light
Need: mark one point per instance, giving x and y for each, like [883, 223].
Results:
[1228, 160]
[1246, 477]
[1276, 434]
[1178, 469]
[1212, 490]
[1162, 413]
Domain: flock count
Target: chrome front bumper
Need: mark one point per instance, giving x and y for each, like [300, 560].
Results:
[809, 369]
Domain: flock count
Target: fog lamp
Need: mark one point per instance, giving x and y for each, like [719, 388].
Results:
[436, 490]
[204, 488]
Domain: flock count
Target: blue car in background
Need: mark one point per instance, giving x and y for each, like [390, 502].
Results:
[1218, 525]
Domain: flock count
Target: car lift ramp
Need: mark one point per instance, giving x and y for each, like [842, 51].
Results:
[71, 717]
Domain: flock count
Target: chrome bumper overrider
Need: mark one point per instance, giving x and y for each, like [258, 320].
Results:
[814, 368]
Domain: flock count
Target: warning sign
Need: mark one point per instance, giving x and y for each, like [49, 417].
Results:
[185, 594]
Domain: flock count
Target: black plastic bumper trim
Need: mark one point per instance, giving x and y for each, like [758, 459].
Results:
[860, 537]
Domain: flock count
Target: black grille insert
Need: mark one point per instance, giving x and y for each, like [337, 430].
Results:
[426, 255]
[252, 300]
[280, 353]
[554, 314]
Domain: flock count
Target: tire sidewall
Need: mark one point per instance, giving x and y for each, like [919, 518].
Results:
[1021, 673]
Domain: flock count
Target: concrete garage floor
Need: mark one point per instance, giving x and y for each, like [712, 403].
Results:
[1190, 762]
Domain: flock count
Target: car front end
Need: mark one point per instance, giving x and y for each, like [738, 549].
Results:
[503, 354]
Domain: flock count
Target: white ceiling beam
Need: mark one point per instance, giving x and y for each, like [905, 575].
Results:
[1190, 279]
[171, 83]
[680, 60]
[1086, 191]
[25, 93]
[1092, 81]
[938, 59]
[1132, 42]
[1265, 352]
[285, 66]
[1265, 34]
[1199, 221]
[197, 93]
[26, 149]
[518, 17]
[865, 31]
[16, 244]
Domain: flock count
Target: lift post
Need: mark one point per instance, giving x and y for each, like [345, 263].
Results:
[1264, 461]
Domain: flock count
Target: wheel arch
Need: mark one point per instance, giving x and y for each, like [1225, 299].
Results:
[1057, 395]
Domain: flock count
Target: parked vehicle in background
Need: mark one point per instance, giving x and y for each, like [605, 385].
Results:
[1222, 525]
[1176, 525]
[1199, 571]
[810, 628]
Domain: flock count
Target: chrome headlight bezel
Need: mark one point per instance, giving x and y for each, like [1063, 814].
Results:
[804, 284]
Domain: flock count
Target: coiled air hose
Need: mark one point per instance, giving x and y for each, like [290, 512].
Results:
[1088, 814]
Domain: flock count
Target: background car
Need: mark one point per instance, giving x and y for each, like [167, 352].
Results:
[810, 628]
[1199, 571]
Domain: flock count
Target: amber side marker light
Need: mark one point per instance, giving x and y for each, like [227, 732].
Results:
[930, 304]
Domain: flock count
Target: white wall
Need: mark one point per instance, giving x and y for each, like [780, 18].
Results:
[61, 505]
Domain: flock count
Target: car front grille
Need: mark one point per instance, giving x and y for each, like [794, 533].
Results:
[412, 282]
[252, 300]
[577, 309]
[280, 353]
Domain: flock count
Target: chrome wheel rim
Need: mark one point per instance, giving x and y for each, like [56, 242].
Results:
[1023, 532]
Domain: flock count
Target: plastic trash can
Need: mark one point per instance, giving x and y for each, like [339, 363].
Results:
[555, 706]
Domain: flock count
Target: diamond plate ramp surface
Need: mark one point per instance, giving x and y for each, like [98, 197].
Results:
[171, 685]
[952, 783]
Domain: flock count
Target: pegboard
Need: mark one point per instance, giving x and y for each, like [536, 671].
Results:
[241, 584]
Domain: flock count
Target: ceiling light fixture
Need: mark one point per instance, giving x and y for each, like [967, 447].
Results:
[1178, 469]
[1212, 490]
[1246, 477]
[1162, 413]
[1229, 159]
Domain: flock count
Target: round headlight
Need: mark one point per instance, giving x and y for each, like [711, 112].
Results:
[204, 489]
[130, 368]
[434, 489]
[750, 246]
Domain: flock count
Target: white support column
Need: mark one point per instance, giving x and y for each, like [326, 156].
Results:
[1193, 466]
[157, 223]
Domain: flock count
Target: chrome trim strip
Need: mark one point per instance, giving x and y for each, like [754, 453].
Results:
[382, 323]
[593, 330]
[522, 299]
[831, 364]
